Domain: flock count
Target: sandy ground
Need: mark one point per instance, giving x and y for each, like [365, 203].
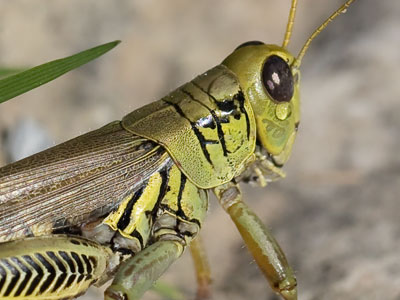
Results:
[335, 215]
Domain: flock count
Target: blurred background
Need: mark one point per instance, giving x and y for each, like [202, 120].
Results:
[337, 213]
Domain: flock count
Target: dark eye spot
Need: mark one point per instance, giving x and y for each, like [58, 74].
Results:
[278, 79]
[250, 43]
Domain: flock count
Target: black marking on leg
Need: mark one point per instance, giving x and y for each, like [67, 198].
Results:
[15, 277]
[78, 261]
[59, 282]
[80, 278]
[57, 261]
[87, 263]
[70, 280]
[124, 221]
[68, 260]
[93, 261]
[3, 277]
[202, 140]
[37, 278]
[26, 271]
[50, 269]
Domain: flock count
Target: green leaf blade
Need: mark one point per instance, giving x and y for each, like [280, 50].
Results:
[22, 82]
[4, 72]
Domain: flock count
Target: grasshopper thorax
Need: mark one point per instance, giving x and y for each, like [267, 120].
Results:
[270, 80]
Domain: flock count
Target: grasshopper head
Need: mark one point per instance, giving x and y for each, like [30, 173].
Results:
[270, 80]
[269, 76]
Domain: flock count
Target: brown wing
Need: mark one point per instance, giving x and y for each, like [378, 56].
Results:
[74, 182]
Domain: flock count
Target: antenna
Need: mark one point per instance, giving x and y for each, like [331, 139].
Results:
[303, 50]
[290, 23]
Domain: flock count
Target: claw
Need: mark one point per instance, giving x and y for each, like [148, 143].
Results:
[289, 294]
[112, 295]
[288, 289]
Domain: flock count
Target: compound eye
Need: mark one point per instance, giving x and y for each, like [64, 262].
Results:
[278, 79]
[250, 43]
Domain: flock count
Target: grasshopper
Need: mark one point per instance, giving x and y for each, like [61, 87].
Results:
[125, 200]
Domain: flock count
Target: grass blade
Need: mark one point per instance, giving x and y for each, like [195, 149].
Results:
[22, 82]
[4, 72]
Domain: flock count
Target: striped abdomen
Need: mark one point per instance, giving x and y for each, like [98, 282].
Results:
[51, 267]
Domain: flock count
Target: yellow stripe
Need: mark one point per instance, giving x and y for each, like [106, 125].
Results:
[113, 218]
[139, 220]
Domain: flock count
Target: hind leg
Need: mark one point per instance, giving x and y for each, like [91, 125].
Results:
[51, 267]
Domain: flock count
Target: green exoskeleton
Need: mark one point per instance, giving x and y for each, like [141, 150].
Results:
[125, 200]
